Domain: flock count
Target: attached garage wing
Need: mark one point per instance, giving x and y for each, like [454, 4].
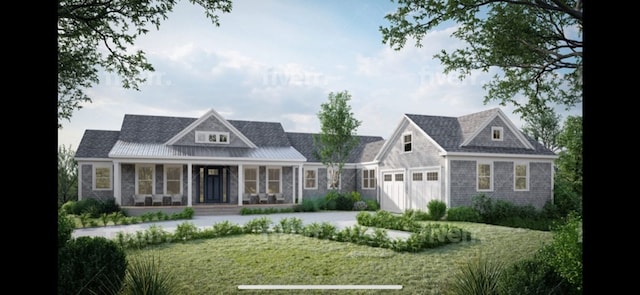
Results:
[393, 192]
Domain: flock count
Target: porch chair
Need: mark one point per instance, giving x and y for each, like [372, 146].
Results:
[263, 197]
[176, 199]
[279, 198]
[246, 198]
[139, 199]
[157, 199]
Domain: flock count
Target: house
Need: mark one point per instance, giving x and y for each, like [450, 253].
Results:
[161, 160]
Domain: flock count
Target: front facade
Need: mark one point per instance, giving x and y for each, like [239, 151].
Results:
[156, 160]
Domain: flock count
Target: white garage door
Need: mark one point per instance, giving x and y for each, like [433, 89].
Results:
[392, 199]
[425, 186]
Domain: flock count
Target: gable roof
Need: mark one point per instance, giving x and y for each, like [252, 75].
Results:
[96, 143]
[207, 115]
[365, 151]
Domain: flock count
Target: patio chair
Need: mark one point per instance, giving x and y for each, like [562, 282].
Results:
[279, 198]
[246, 198]
[263, 197]
[139, 199]
[176, 199]
[157, 199]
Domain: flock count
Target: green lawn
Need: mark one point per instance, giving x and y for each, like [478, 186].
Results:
[218, 266]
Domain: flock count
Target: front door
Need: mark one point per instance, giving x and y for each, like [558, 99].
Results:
[213, 189]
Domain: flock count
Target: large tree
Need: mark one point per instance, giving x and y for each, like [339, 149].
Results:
[535, 45]
[67, 175]
[337, 136]
[98, 34]
[544, 127]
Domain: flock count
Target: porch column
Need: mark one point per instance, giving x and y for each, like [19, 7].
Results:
[293, 184]
[189, 185]
[240, 184]
[117, 191]
[301, 183]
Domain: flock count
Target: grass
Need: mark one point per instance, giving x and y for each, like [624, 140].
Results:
[218, 266]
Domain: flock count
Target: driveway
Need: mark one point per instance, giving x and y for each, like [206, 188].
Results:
[340, 219]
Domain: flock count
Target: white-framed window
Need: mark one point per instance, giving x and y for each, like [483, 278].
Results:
[102, 176]
[145, 179]
[368, 178]
[417, 176]
[311, 178]
[484, 171]
[521, 176]
[497, 133]
[251, 180]
[407, 138]
[274, 180]
[212, 137]
[333, 178]
[173, 179]
[432, 176]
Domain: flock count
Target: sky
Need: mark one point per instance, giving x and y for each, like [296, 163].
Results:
[277, 61]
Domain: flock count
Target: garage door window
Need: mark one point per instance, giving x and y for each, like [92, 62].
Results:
[432, 176]
[417, 176]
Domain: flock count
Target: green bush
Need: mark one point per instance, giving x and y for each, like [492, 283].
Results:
[480, 276]
[359, 206]
[65, 228]
[437, 209]
[463, 213]
[68, 207]
[310, 205]
[356, 196]
[145, 276]
[564, 253]
[533, 276]
[372, 205]
[91, 265]
[344, 203]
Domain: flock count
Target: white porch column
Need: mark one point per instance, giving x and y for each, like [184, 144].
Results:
[117, 183]
[301, 183]
[189, 185]
[240, 183]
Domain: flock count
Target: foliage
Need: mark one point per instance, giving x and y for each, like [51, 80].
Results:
[479, 276]
[565, 198]
[372, 205]
[337, 135]
[100, 36]
[437, 209]
[65, 228]
[91, 265]
[359, 206]
[344, 203]
[417, 214]
[535, 46]
[463, 213]
[569, 162]
[564, 254]
[543, 126]
[533, 276]
[145, 276]
[67, 175]
[249, 211]
[309, 205]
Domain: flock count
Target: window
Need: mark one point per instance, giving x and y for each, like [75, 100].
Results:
[251, 180]
[369, 178]
[173, 180]
[432, 176]
[417, 176]
[144, 179]
[273, 180]
[496, 133]
[387, 177]
[101, 177]
[484, 176]
[333, 178]
[212, 137]
[521, 177]
[406, 141]
[310, 178]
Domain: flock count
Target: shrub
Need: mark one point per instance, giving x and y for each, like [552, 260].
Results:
[356, 196]
[372, 205]
[533, 276]
[89, 205]
[359, 206]
[463, 213]
[68, 207]
[566, 198]
[145, 276]
[108, 206]
[344, 203]
[437, 209]
[91, 265]
[65, 228]
[309, 205]
[484, 205]
[479, 276]
[417, 214]
[564, 253]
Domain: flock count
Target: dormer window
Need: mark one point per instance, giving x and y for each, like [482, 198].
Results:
[406, 142]
[497, 134]
[212, 137]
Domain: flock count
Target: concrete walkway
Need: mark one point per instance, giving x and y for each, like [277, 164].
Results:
[340, 219]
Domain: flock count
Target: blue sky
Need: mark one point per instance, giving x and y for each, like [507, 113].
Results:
[277, 61]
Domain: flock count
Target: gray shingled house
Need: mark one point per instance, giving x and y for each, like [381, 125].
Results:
[159, 160]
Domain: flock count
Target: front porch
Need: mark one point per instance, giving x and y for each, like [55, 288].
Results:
[199, 209]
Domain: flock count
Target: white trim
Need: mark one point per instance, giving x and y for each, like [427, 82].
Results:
[315, 180]
[189, 184]
[216, 135]
[394, 136]
[266, 188]
[509, 124]
[458, 155]
[300, 191]
[153, 177]
[93, 176]
[375, 179]
[80, 190]
[527, 176]
[404, 143]
[165, 168]
[196, 123]
[257, 169]
[490, 163]
[240, 184]
[117, 183]
[500, 132]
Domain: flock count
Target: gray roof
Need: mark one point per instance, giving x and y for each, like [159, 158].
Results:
[451, 132]
[365, 151]
[96, 143]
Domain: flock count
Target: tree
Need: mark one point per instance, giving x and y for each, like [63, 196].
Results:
[95, 34]
[337, 137]
[67, 175]
[569, 162]
[544, 127]
[535, 45]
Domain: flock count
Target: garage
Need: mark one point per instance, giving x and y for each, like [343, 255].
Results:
[424, 187]
[393, 192]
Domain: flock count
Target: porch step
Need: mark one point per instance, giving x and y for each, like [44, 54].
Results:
[216, 210]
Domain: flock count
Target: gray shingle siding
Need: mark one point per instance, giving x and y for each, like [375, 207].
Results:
[484, 136]
[211, 124]
[463, 183]
[424, 153]
[87, 185]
